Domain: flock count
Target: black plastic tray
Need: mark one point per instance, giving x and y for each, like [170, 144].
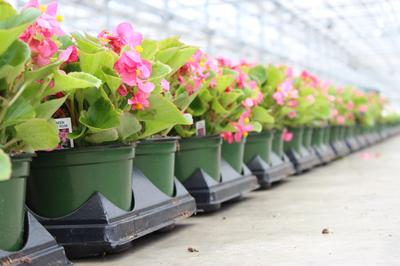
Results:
[267, 174]
[210, 194]
[99, 227]
[325, 153]
[353, 144]
[40, 249]
[341, 149]
[303, 160]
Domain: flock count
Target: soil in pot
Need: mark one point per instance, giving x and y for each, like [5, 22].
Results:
[61, 181]
[198, 153]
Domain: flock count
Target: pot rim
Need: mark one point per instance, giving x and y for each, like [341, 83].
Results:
[84, 149]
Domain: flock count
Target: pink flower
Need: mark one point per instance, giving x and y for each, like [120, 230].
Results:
[334, 112]
[248, 102]
[131, 68]
[310, 98]
[122, 90]
[279, 98]
[286, 86]
[70, 55]
[363, 108]
[289, 72]
[340, 120]
[292, 103]
[145, 87]
[139, 101]
[287, 136]
[350, 106]
[123, 35]
[292, 114]
[164, 85]
[227, 136]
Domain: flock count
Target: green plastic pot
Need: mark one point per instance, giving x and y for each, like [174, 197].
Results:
[296, 141]
[61, 181]
[327, 135]
[318, 137]
[307, 137]
[156, 159]
[258, 144]
[277, 142]
[198, 153]
[12, 205]
[334, 134]
[233, 153]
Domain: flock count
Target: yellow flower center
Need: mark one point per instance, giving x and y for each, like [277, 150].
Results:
[246, 120]
[245, 134]
[43, 8]
[138, 72]
[139, 48]
[139, 106]
[59, 18]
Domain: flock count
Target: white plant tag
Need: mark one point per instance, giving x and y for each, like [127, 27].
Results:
[201, 128]
[64, 127]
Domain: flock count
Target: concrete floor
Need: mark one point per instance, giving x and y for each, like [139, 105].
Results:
[357, 199]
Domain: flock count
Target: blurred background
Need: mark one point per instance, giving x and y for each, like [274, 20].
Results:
[347, 41]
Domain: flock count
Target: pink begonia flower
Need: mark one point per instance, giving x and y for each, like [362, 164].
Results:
[340, 120]
[350, 106]
[363, 108]
[123, 34]
[139, 101]
[292, 103]
[289, 72]
[145, 87]
[227, 136]
[122, 90]
[131, 68]
[294, 94]
[309, 78]
[292, 114]
[286, 86]
[325, 84]
[252, 84]
[248, 102]
[70, 55]
[331, 98]
[243, 126]
[310, 98]
[240, 79]
[334, 112]
[259, 98]
[164, 85]
[39, 36]
[279, 98]
[287, 136]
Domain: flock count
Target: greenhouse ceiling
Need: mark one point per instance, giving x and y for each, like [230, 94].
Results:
[357, 38]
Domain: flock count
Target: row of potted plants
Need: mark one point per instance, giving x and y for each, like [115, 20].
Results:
[106, 138]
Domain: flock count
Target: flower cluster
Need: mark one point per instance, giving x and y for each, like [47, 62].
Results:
[41, 35]
[132, 68]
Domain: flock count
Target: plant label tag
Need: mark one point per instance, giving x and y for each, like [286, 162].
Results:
[64, 127]
[201, 128]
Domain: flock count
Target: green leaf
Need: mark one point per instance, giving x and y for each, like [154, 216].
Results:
[6, 10]
[261, 115]
[12, 27]
[258, 74]
[112, 79]
[275, 76]
[100, 116]
[13, 61]
[39, 134]
[149, 49]
[176, 57]
[218, 108]
[86, 44]
[41, 73]
[170, 42]
[257, 127]
[129, 125]
[73, 81]
[93, 63]
[21, 110]
[5, 166]
[161, 115]
[159, 71]
[223, 82]
[103, 136]
[47, 109]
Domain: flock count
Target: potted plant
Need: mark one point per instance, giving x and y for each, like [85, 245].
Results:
[126, 102]
[217, 109]
[25, 127]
